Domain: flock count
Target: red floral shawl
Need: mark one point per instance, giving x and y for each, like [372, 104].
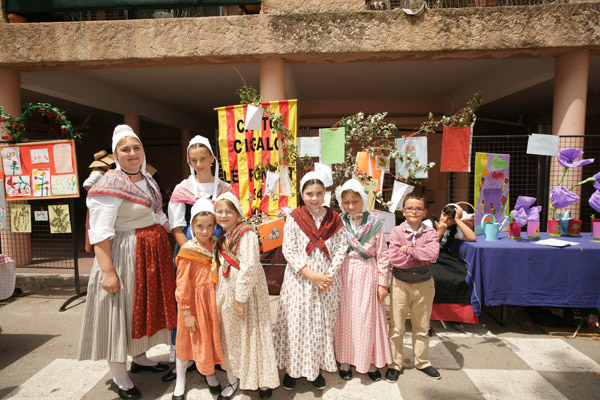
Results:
[116, 183]
[317, 236]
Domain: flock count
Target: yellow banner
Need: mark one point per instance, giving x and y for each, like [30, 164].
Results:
[243, 150]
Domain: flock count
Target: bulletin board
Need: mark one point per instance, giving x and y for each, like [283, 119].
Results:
[40, 170]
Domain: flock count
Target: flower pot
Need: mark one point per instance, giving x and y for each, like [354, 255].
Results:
[574, 227]
[554, 227]
[514, 231]
[596, 228]
[533, 230]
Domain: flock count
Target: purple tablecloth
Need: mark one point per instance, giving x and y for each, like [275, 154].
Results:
[520, 272]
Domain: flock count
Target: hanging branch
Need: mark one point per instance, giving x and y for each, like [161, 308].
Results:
[462, 118]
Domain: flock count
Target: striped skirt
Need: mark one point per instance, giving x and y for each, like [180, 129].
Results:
[106, 332]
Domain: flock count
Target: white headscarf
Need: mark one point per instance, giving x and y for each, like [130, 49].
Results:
[202, 205]
[355, 186]
[204, 141]
[234, 200]
[123, 131]
[322, 174]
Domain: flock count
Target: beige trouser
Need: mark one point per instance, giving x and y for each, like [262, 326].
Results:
[416, 299]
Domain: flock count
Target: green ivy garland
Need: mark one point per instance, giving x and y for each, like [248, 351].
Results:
[16, 126]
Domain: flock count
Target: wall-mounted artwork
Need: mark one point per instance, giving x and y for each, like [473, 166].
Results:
[40, 170]
[60, 220]
[20, 218]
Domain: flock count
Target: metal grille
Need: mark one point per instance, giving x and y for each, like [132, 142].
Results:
[40, 248]
[532, 175]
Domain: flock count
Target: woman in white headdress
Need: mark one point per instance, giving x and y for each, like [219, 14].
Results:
[361, 337]
[314, 245]
[201, 184]
[130, 303]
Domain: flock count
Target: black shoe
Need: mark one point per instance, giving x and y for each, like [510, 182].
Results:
[265, 393]
[169, 376]
[432, 372]
[319, 383]
[180, 397]
[234, 387]
[135, 368]
[133, 393]
[392, 375]
[374, 375]
[289, 383]
[213, 389]
[346, 375]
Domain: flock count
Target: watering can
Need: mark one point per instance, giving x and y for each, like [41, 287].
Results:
[492, 229]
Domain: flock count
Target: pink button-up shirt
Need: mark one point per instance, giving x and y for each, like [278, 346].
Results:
[425, 249]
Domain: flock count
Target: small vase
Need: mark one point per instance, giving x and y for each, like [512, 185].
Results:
[574, 227]
[596, 228]
[554, 227]
[514, 231]
[533, 229]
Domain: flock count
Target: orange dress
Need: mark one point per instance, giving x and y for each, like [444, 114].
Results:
[196, 292]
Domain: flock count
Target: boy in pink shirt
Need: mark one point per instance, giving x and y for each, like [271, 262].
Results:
[413, 245]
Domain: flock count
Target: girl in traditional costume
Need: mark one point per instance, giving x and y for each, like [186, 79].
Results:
[314, 245]
[243, 305]
[198, 336]
[130, 303]
[201, 184]
[361, 337]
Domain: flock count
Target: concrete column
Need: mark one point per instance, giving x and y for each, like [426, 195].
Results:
[15, 245]
[186, 136]
[133, 120]
[571, 72]
[272, 79]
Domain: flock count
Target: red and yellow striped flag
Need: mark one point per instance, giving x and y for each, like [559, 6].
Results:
[241, 150]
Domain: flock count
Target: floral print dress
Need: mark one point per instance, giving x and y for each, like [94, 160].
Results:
[304, 332]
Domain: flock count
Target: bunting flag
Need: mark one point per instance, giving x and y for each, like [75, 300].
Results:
[242, 150]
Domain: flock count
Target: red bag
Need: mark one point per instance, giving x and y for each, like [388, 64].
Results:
[456, 149]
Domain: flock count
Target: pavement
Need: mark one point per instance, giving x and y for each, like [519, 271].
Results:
[38, 349]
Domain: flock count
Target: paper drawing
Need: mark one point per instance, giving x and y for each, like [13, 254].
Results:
[63, 163]
[40, 179]
[11, 160]
[64, 184]
[39, 156]
[18, 186]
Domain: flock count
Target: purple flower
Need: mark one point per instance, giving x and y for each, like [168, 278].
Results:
[562, 197]
[595, 200]
[567, 157]
[523, 211]
[597, 181]
[520, 216]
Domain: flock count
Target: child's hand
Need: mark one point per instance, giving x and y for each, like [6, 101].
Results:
[322, 281]
[110, 282]
[190, 323]
[382, 292]
[240, 309]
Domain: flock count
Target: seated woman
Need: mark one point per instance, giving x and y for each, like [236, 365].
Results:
[452, 300]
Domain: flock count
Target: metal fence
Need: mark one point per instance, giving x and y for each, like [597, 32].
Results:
[532, 175]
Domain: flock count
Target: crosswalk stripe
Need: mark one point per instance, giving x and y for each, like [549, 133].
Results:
[62, 379]
[498, 384]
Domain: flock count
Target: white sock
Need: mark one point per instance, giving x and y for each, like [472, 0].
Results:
[120, 375]
[180, 368]
[232, 387]
[142, 360]
[372, 368]
[212, 380]
[345, 367]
